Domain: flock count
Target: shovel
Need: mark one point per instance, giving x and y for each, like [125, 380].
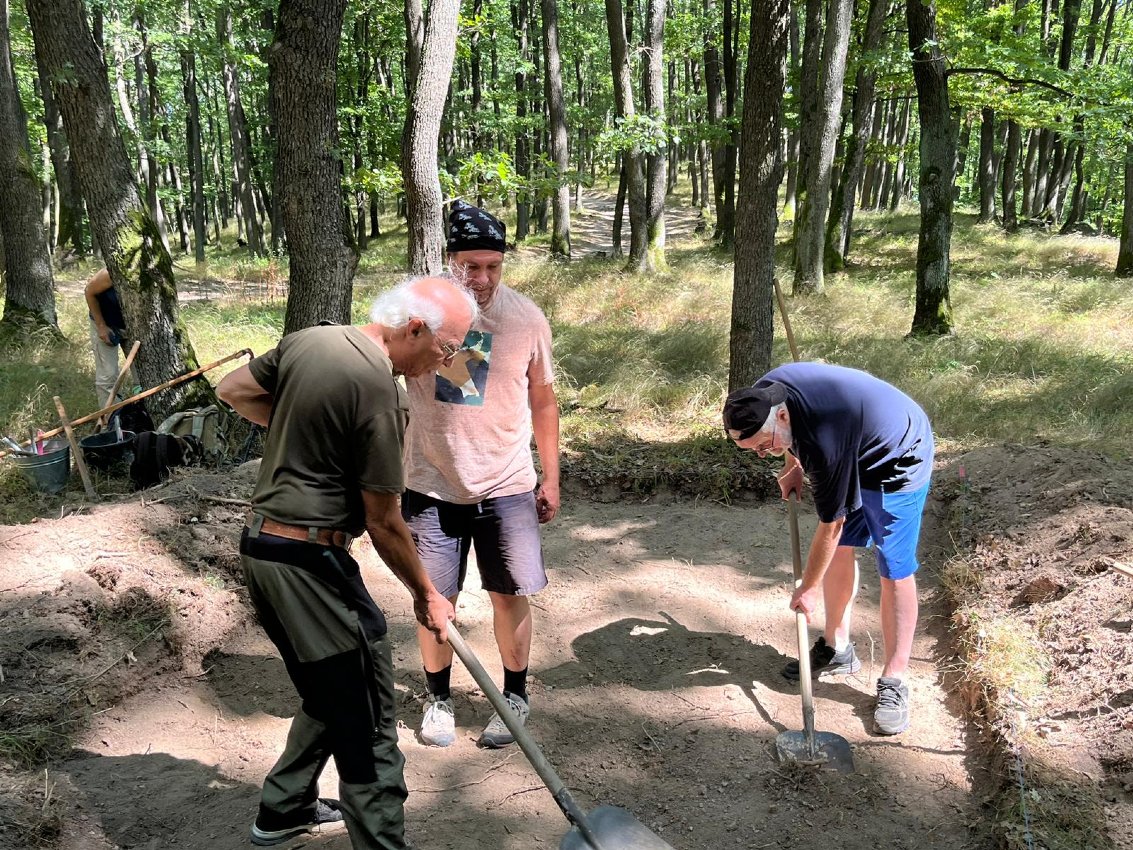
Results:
[605, 828]
[819, 749]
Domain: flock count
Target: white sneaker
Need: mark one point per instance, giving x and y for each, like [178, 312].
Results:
[496, 734]
[438, 726]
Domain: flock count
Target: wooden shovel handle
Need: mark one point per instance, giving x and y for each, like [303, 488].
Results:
[121, 377]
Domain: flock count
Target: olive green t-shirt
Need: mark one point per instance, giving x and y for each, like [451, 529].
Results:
[336, 428]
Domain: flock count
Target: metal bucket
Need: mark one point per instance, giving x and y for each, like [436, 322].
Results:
[49, 471]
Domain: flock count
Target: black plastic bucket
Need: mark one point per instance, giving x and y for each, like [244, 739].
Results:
[104, 451]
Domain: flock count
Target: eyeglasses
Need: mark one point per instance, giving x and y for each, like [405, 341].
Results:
[450, 350]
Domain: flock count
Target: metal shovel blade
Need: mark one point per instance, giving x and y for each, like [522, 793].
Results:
[830, 751]
[615, 829]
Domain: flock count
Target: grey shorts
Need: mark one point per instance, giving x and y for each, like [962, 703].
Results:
[504, 531]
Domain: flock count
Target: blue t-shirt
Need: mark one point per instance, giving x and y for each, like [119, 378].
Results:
[853, 432]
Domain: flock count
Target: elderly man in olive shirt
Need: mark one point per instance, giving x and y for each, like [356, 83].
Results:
[336, 419]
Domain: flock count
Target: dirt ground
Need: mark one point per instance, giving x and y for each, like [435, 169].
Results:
[655, 674]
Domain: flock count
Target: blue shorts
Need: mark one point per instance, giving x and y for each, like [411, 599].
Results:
[892, 523]
[504, 531]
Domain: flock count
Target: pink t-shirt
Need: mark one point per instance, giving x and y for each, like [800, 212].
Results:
[469, 435]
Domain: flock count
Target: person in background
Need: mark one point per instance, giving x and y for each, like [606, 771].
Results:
[332, 467]
[471, 480]
[867, 449]
[107, 332]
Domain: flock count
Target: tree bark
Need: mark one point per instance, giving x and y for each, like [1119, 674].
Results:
[814, 200]
[419, 142]
[238, 133]
[29, 288]
[140, 267]
[560, 147]
[987, 165]
[632, 159]
[302, 86]
[725, 235]
[752, 328]
[1010, 167]
[937, 159]
[70, 214]
[657, 185]
[1125, 247]
[715, 104]
[520, 12]
[193, 146]
[845, 197]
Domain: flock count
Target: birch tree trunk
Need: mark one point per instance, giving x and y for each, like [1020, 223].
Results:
[425, 219]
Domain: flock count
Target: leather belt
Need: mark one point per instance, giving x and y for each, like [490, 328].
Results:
[307, 534]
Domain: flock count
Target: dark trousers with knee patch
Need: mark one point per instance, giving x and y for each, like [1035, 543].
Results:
[313, 605]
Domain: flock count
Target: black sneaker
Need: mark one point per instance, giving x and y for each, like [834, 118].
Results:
[271, 828]
[824, 661]
[892, 712]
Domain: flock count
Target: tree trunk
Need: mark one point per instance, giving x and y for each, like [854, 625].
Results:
[425, 221]
[899, 187]
[70, 212]
[1125, 247]
[725, 235]
[657, 184]
[791, 189]
[302, 86]
[814, 200]
[619, 208]
[520, 14]
[140, 267]
[752, 327]
[560, 147]
[193, 146]
[1009, 169]
[937, 159]
[845, 197]
[29, 289]
[238, 132]
[1030, 169]
[715, 104]
[145, 81]
[632, 159]
[987, 166]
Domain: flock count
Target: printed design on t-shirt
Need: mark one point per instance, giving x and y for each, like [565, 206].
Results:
[465, 380]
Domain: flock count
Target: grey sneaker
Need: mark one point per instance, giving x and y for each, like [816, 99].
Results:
[270, 829]
[496, 734]
[438, 726]
[892, 712]
[824, 662]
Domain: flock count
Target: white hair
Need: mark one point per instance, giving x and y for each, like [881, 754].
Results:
[772, 415]
[395, 307]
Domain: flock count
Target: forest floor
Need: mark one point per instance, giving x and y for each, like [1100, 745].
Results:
[141, 705]
[656, 679]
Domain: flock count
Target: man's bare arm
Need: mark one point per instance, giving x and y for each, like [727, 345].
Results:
[545, 425]
[393, 542]
[240, 390]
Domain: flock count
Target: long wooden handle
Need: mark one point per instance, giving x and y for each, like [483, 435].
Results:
[522, 737]
[121, 377]
[90, 417]
[786, 320]
[806, 687]
[80, 461]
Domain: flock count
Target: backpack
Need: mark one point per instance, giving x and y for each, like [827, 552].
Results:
[132, 417]
[156, 454]
[202, 423]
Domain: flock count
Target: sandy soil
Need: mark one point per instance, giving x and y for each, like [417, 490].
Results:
[656, 687]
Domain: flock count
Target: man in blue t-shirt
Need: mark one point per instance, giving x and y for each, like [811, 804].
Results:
[867, 449]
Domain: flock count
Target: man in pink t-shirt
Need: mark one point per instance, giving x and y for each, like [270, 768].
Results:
[471, 480]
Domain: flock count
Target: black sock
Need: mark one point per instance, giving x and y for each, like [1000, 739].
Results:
[515, 682]
[438, 683]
